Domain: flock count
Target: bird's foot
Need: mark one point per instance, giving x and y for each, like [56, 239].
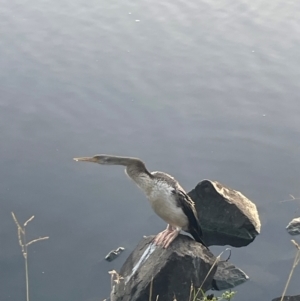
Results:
[165, 237]
[160, 237]
[169, 238]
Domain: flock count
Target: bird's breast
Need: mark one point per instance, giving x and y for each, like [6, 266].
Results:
[165, 206]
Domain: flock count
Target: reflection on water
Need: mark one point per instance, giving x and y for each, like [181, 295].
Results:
[196, 89]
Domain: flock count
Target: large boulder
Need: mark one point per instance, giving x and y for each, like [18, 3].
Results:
[171, 272]
[226, 216]
[167, 273]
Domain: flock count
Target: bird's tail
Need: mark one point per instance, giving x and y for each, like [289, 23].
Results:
[198, 236]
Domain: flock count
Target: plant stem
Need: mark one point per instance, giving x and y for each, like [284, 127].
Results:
[24, 247]
[26, 275]
[25, 255]
[296, 261]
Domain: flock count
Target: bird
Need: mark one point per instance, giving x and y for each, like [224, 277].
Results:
[166, 196]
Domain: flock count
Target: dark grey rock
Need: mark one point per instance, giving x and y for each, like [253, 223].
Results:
[173, 271]
[228, 276]
[226, 216]
[293, 227]
[288, 298]
[112, 255]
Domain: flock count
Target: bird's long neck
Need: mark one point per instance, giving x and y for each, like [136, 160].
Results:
[136, 170]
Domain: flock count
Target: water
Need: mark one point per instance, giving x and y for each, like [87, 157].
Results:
[200, 90]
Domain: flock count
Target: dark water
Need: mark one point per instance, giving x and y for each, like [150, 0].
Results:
[199, 89]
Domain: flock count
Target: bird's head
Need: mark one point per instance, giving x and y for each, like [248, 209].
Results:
[100, 159]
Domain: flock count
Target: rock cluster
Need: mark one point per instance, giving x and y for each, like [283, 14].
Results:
[227, 217]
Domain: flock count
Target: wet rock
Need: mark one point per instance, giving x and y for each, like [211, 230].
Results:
[167, 272]
[293, 227]
[228, 276]
[227, 217]
[112, 255]
[288, 298]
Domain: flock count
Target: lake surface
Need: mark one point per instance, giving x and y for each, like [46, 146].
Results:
[199, 89]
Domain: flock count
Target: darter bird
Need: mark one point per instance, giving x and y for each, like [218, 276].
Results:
[167, 198]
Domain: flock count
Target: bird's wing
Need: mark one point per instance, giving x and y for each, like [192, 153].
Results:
[188, 207]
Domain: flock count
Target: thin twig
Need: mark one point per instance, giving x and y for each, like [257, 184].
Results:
[151, 287]
[23, 244]
[296, 245]
[291, 199]
[29, 220]
[35, 240]
[295, 263]
[17, 223]
[191, 290]
[210, 270]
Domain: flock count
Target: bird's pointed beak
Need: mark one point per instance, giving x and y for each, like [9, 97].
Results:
[86, 159]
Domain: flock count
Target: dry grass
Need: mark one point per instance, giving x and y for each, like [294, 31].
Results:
[297, 256]
[24, 246]
[196, 293]
[296, 261]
